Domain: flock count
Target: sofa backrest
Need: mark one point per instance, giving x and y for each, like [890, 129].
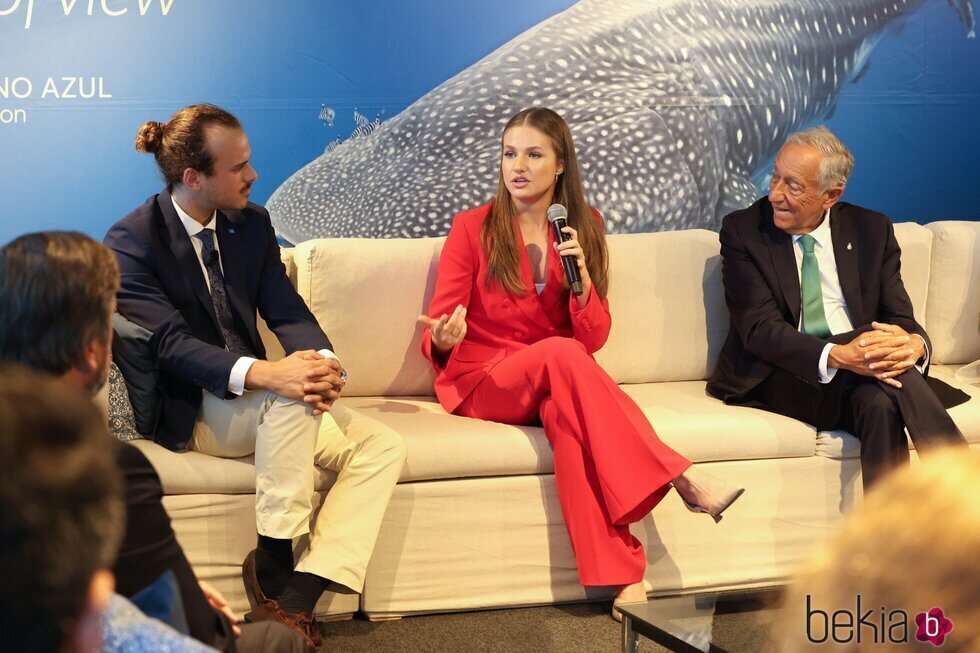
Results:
[669, 318]
[668, 302]
[366, 294]
[666, 296]
[953, 307]
[916, 243]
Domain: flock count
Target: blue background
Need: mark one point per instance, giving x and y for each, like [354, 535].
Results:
[910, 121]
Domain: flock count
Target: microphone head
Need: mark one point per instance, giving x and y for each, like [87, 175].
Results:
[557, 212]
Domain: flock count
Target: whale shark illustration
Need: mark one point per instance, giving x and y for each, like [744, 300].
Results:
[677, 108]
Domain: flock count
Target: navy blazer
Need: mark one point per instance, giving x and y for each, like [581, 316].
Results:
[164, 290]
[762, 290]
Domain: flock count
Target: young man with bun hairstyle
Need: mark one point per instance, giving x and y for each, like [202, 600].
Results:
[198, 261]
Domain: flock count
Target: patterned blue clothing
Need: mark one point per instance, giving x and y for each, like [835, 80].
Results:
[127, 630]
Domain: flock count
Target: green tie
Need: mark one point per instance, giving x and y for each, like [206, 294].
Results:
[814, 320]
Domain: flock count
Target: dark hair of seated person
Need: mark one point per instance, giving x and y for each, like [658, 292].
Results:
[58, 290]
[61, 511]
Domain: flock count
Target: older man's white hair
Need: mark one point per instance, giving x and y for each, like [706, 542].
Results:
[837, 161]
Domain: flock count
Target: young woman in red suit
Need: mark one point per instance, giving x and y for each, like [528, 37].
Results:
[511, 343]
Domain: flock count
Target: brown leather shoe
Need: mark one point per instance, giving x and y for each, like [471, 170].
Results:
[253, 590]
[305, 624]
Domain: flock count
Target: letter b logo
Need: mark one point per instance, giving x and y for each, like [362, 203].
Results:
[821, 631]
[933, 626]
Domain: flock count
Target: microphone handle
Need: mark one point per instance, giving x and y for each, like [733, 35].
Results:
[569, 263]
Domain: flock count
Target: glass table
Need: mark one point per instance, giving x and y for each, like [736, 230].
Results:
[722, 622]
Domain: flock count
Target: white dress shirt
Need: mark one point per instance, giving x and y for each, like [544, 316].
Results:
[834, 305]
[236, 380]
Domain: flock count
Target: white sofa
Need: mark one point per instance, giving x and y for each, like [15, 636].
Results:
[475, 522]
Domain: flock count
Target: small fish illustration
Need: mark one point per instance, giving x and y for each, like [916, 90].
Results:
[327, 115]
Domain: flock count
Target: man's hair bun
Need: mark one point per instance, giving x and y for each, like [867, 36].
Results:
[150, 137]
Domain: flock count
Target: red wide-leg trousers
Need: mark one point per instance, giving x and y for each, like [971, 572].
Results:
[611, 469]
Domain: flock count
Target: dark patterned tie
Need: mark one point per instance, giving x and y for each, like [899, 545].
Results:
[222, 307]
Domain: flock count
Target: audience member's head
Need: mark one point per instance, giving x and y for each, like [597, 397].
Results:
[58, 292]
[61, 514]
[913, 545]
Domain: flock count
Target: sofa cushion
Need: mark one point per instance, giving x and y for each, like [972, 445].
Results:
[442, 446]
[953, 309]
[704, 429]
[841, 444]
[122, 423]
[190, 472]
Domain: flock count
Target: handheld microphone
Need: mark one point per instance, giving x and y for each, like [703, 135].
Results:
[558, 216]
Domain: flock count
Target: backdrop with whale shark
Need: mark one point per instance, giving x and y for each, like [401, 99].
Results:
[678, 109]
[382, 119]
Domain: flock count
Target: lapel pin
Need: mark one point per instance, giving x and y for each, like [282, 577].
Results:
[849, 246]
[232, 231]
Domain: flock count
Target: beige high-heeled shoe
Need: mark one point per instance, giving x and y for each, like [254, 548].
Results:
[706, 493]
[630, 594]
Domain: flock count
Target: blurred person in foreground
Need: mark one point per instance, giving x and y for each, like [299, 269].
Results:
[904, 572]
[61, 521]
[57, 294]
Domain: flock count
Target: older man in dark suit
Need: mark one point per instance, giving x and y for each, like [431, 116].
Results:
[821, 325]
[197, 262]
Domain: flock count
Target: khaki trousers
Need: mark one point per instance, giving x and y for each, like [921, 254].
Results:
[288, 441]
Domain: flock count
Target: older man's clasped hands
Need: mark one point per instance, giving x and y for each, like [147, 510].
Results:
[885, 352]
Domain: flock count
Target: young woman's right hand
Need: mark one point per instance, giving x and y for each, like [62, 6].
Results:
[448, 331]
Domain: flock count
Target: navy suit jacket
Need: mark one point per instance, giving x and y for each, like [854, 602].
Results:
[762, 289]
[164, 291]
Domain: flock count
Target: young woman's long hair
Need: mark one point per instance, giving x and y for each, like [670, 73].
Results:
[498, 235]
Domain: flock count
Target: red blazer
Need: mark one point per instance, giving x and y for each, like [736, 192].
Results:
[499, 323]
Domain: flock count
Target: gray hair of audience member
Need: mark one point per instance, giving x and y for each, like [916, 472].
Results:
[837, 162]
[57, 293]
[61, 509]
[912, 545]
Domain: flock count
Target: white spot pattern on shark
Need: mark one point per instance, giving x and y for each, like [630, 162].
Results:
[681, 102]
